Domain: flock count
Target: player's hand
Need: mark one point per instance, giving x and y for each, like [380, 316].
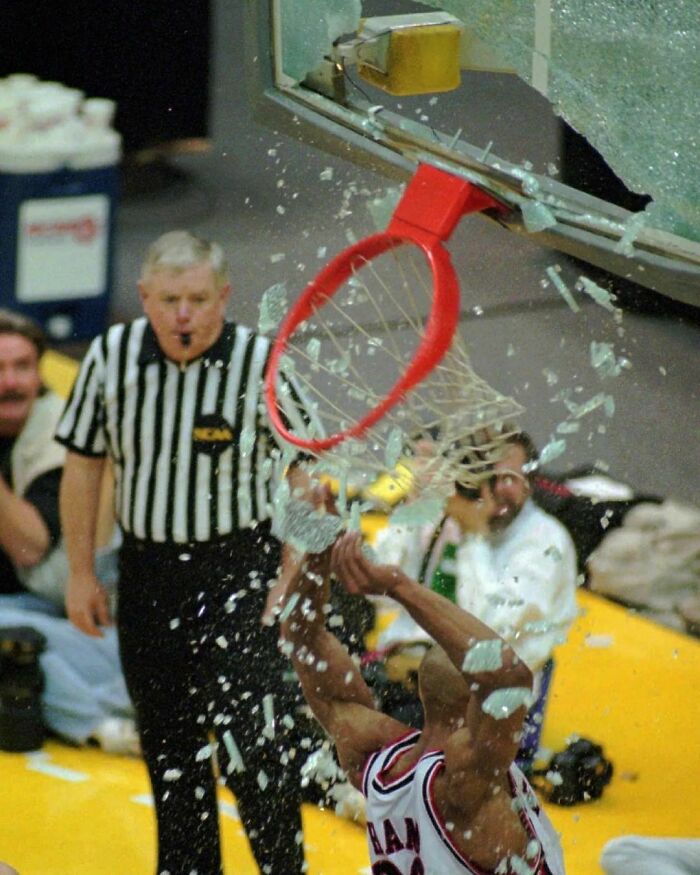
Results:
[292, 565]
[87, 604]
[303, 571]
[357, 573]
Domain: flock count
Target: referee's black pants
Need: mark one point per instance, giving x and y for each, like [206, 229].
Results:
[197, 662]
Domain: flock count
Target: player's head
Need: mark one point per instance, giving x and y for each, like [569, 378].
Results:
[22, 343]
[184, 291]
[442, 689]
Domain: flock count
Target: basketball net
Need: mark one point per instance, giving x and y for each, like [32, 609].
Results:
[349, 353]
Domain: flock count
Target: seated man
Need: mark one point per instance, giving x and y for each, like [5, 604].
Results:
[503, 559]
[84, 692]
[30, 461]
[445, 800]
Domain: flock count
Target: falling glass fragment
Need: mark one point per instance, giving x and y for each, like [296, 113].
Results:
[418, 513]
[273, 307]
[235, 759]
[562, 288]
[502, 703]
[552, 450]
[307, 529]
[599, 295]
[484, 656]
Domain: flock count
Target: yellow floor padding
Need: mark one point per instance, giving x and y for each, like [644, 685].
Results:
[620, 680]
[633, 686]
[58, 371]
[94, 818]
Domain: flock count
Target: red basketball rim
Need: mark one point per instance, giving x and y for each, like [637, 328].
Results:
[440, 327]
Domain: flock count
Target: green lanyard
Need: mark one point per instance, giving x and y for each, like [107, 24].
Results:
[444, 579]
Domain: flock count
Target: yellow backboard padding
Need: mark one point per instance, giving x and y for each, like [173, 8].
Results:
[421, 60]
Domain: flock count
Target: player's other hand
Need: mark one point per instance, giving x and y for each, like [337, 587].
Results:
[357, 573]
[298, 570]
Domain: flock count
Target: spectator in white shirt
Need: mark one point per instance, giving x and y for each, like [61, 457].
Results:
[503, 559]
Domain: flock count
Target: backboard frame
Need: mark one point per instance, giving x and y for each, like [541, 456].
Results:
[587, 227]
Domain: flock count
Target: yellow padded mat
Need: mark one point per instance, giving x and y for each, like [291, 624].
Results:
[58, 371]
[620, 680]
[633, 686]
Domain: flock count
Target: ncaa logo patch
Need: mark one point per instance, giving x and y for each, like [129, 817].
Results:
[212, 434]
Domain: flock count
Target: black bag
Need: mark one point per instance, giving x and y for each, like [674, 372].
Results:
[579, 773]
[21, 684]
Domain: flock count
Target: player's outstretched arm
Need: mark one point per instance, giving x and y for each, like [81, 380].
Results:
[330, 679]
[496, 681]
[455, 630]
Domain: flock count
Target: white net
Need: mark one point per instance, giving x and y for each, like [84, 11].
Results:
[348, 355]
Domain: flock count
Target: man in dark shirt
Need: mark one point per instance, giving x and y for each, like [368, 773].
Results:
[30, 460]
[85, 696]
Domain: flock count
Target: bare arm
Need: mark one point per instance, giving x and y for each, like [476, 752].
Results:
[331, 681]
[86, 599]
[24, 535]
[453, 629]
[485, 744]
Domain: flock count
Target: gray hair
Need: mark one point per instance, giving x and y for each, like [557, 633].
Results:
[178, 250]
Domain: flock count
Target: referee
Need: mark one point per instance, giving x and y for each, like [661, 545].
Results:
[174, 400]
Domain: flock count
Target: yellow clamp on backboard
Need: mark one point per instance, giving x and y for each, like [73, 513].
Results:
[406, 55]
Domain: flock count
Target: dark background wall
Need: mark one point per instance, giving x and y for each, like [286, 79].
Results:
[151, 57]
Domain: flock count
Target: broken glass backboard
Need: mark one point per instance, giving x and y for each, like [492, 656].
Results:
[623, 73]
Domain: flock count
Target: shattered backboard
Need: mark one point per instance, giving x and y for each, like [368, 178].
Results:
[623, 73]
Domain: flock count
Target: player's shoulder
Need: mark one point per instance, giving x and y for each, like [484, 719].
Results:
[379, 765]
[360, 734]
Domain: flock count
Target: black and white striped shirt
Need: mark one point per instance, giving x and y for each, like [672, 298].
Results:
[193, 453]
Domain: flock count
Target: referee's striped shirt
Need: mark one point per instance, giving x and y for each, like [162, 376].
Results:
[193, 454]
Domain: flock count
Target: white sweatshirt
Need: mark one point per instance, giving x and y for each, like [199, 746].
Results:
[521, 582]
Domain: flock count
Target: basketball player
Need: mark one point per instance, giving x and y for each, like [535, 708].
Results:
[445, 800]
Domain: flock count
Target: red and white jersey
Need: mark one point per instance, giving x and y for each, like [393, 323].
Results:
[407, 835]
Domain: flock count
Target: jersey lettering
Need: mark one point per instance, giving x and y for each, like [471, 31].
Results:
[412, 835]
[392, 842]
[372, 833]
[392, 838]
